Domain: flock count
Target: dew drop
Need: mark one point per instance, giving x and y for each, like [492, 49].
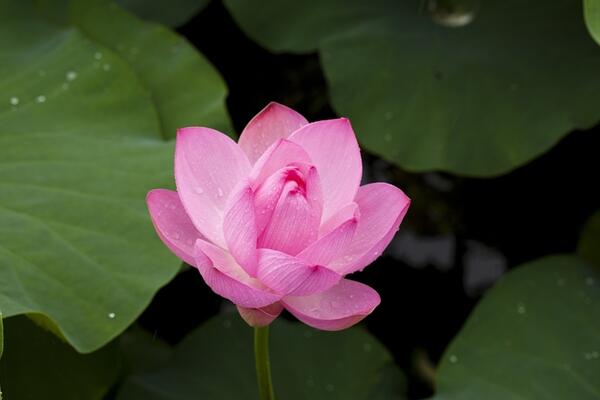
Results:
[98, 55]
[220, 192]
[106, 67]
[112, 315]
[521, 309]
[453, 359]
[71, 75]
[41, 98]
[199, 190]
[14, 101]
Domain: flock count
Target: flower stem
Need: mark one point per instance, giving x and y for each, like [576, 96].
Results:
[263, 365]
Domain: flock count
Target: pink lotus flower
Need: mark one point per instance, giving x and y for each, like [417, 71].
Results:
[279, 219]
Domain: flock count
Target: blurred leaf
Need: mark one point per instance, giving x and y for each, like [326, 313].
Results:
[1, 345]
[172, 12]
[535, 335]
[80, 145]
[478, 100]
[592, 17]
[37, 365]
[589, 241]
[216, 362]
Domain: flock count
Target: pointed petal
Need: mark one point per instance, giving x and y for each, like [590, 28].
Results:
[382, 208]
[338, 308]
[222, 274]
[273, 122]
[239, 228]
[294, 223]
[208, 165]
[281, 154]
[334, 151]
[172, 224]
[260, 317]
[289, 275]
[332, 245]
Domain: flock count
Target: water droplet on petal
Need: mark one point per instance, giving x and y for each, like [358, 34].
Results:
[41, 98]
[71, 75]
[220, 192]
[199, 190]
[14, 101]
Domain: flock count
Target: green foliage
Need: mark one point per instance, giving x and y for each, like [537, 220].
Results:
[592, 17]
[216, 362]
[478, 100]
[533, 336]
[589, 241]
[37, 365]
[82, 131]
[172, 12]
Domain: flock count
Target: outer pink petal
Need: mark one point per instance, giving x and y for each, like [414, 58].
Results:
[220, 271]
[294, 224]
[275, 121]
[382, 209]
[333, 244]
[279, 155]
[239, 228]
[259, 317]
[333, 149]
[289, 275]
[338, 308]
[208, 165]
[172, 224]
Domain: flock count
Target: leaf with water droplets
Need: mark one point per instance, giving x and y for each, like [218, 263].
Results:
[82, 133]
[533, 336]
[306, 363]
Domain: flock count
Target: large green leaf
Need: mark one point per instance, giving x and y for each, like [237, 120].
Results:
[80, 145]
[589, 241]
[592, 17]
[477, 100]
[216, 362]
[172, 12]
[37, 365]
[536, 335]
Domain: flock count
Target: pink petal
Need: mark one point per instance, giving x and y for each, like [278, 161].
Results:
[382, 209]
[344, 214]
[239, 228]
[226, 278]
[289, 275]
[259, 317]
[338, 308]
[208, 165]
[294, 223]
[280, 154]
[333, 149]
[333, 244]
[275, 121]
[172, 224]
